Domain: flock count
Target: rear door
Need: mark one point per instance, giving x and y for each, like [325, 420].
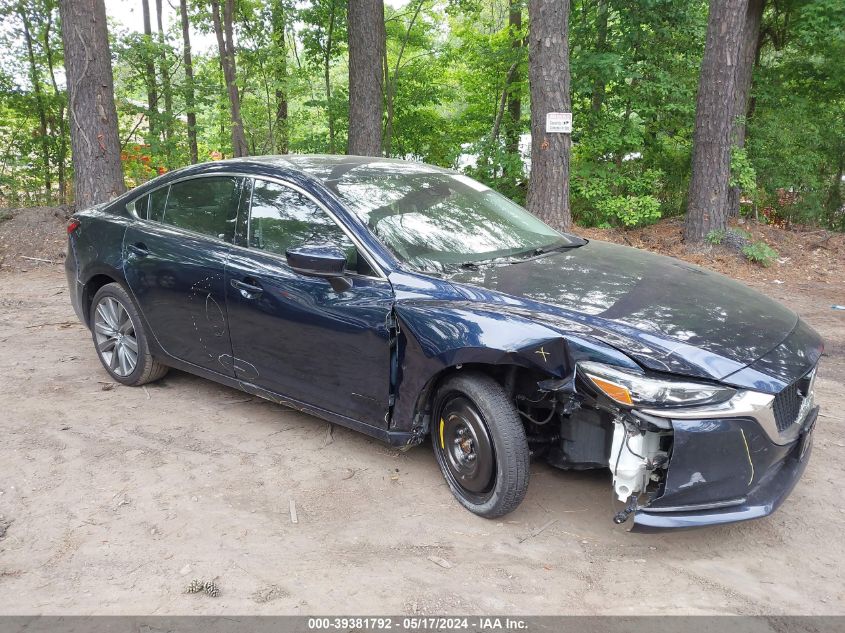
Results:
[175, 257]
[294, 335]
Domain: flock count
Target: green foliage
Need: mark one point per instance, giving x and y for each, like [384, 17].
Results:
[631, 210]
[480, 54]
[760, 253]
[611, 194]
[797, 130]
[418, 62]
[24, 92]
[636, 98]
[743, 174]
[715, 237]
[634, 65]
[498, 168]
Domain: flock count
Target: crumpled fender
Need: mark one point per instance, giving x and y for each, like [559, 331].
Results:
[437, 335]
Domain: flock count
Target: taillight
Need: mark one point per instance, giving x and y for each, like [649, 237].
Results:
[72, 225]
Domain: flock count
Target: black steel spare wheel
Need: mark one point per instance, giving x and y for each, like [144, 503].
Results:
[480, 444]
[466, 446]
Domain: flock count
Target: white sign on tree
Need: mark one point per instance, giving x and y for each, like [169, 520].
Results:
[559, 122]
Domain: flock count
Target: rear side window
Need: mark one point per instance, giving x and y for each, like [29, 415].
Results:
[203, 205]
[140, 206]
[150, 206]
[155, 205]
[282, 218]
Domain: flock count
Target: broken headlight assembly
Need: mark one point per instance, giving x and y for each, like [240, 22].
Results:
[639, 451]
[631, 388]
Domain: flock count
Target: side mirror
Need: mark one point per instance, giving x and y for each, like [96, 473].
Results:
[320, 260]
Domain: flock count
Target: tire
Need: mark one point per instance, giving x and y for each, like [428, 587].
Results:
[120, 340]
[474, 416]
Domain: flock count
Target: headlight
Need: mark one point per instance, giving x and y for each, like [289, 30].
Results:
[630, 388]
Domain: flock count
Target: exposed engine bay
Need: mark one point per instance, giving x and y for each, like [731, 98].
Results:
[573, 429]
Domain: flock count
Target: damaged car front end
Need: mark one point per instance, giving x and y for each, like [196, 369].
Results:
[693, 390]
[682, 451]
[686, 454]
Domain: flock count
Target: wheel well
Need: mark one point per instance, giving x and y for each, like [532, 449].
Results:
[91, 288]
[514, 379]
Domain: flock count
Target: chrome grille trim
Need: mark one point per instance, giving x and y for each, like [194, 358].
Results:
[753, 404]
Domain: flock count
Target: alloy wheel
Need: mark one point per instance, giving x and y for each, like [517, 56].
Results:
[114, 335]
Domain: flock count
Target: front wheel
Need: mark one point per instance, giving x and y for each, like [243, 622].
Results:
[480, 445]
[120, 340]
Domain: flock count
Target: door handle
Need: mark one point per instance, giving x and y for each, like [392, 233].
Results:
[139, 249]
[247, 290]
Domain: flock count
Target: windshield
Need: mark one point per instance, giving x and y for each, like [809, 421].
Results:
[436, 221]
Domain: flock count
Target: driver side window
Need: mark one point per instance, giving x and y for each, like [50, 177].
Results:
[282, 218]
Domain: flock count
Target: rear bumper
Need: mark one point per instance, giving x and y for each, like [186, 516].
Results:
[74, 286]
[725, 471]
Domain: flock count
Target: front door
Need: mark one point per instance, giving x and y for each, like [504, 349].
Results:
[175, 260]
[293, 334]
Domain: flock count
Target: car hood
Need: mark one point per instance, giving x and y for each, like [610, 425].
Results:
[669, 315]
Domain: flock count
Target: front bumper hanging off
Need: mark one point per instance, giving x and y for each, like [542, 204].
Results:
[725, 470]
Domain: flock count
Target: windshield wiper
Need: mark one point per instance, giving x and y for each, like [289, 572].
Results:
[545, 250]
[478, 263]
[518, 258]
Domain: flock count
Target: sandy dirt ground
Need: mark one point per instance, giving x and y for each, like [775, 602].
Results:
[113, 499]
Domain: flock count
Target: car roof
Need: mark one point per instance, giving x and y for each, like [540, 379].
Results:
[331, 167]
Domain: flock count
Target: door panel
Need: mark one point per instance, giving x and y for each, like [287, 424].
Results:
[293, 334]
[299, 338]
[179, 287]
[178, 276]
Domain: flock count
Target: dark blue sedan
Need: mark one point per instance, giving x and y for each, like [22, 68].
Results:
[407, 301]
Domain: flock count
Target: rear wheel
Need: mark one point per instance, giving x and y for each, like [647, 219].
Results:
[120, 340]
[480, 445]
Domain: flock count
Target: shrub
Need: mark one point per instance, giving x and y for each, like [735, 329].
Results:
[760, 253]
[630, 210]
[743, 174]
[607, 194]
[715, 237]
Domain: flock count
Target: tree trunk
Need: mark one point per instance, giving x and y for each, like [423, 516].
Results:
[601, 47]
[280, 136]
[512, 123]
[35, 78]
[711, 143]
[510, 76]
[190, 111]
[150, 75]
[93, 133]
[164, 69]
[61, 154]
[327, 81]
[833, 204]
[548, 75]
[225, 43]
[388, 107]
[366, 54]
[748, 47]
